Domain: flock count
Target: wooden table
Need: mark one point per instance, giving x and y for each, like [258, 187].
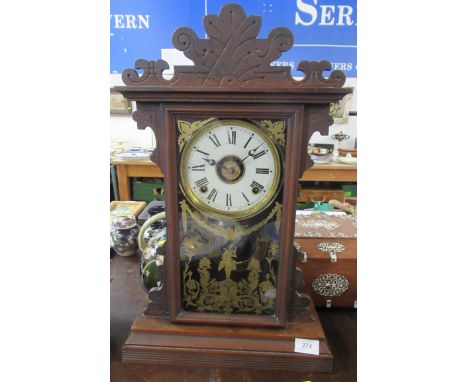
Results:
[127, 298]
[144, 168]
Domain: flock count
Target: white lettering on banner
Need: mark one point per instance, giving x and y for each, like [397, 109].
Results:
[342, 65]
[345, 66]
[329, 14]
[345, 12]
[308, 9]
[118, 21]
[283, 63]
[143, 20]
[130, 21]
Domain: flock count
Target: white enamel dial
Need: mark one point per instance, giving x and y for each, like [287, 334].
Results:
[230, 168]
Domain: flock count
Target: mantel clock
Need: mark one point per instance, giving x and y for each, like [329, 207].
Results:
[232, 134]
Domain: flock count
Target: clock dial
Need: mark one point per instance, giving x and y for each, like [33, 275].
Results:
[230, 168]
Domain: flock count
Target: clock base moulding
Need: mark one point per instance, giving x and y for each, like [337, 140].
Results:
[155, 340]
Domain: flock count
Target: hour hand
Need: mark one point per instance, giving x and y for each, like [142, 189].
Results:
[252, 152]
[211, 162]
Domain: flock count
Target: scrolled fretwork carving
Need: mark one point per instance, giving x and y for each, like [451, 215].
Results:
[233, 57]
[148, 116]
[316, 118]
[150, 69]
[313, 73]
[144, 118]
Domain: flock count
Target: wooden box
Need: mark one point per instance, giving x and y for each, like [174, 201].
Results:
[329, 248]
[126, 207]
[313, 195]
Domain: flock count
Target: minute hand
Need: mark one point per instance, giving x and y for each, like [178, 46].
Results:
[252, 152]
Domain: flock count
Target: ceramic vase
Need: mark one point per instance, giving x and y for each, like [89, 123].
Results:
[124, 235]
[152, 241]
[151, 262]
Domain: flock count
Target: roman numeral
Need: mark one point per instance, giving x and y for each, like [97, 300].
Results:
[246, 143]
[228, 200]
[246, 198]
[213, 194]
[232, 137]
[202, 152]
[200, 167]
[262, 171]
[258, 185]
[258, 155]
[215, 140]
[201, 182]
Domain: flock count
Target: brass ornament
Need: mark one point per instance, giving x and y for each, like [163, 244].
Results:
[279, 210]
[187, 129]
[276, 129]
[236, 229]
[230, 169]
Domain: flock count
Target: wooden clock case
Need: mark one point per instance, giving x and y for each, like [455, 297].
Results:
[231, 78]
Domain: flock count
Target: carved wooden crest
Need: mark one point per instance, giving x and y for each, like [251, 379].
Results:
[233, 58]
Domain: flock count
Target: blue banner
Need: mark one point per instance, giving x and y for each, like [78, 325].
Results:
[322, 29]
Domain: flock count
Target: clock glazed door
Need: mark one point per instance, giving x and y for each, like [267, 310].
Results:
[231, 252]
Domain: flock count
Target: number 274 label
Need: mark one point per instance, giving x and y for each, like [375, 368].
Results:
[302, 345]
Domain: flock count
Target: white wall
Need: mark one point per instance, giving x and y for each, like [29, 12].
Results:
[123, 127]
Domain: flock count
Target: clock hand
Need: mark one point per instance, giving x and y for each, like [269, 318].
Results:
[252, 152]
[211, 162]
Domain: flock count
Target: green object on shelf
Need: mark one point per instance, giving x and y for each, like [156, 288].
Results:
[148, 191]
[322, 206]
[350, 190]
[303, 206]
